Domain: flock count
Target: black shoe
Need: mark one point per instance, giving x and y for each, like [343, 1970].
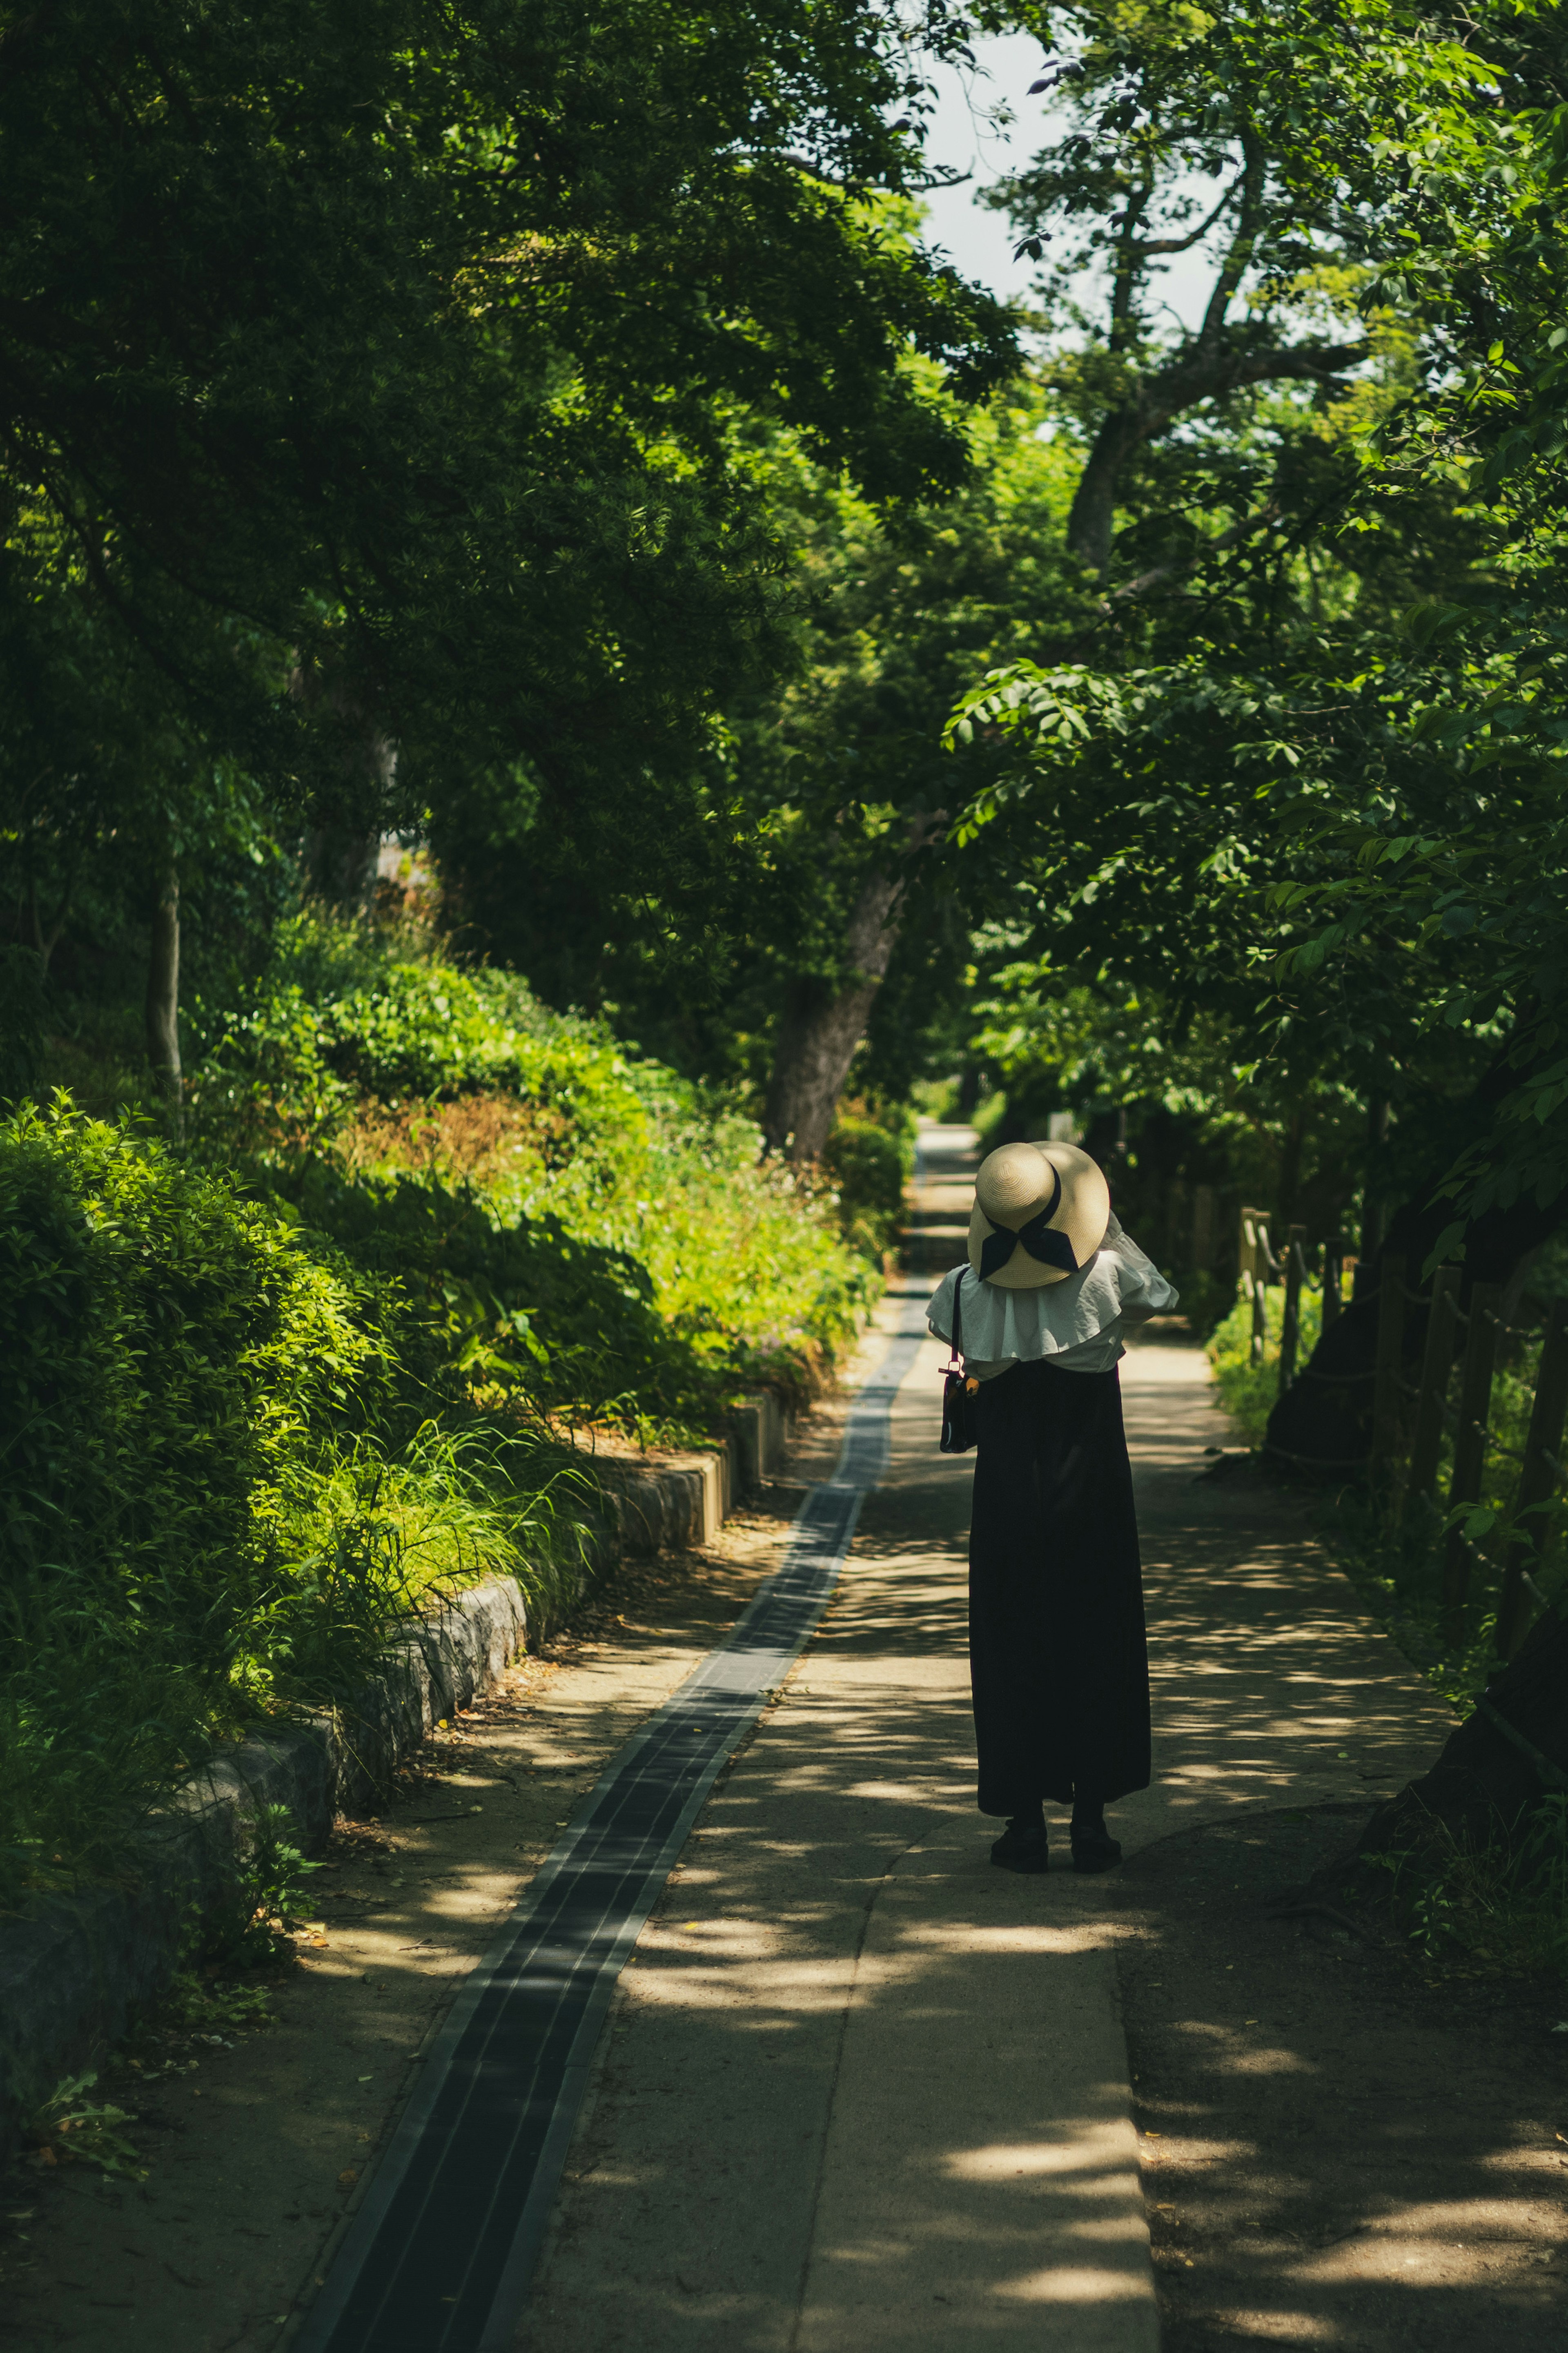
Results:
[1021, 1849]
[1095, 1850]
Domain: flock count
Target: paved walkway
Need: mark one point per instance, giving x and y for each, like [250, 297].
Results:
[858, 2089]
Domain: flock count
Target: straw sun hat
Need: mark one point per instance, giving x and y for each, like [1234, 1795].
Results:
[1040, 1213]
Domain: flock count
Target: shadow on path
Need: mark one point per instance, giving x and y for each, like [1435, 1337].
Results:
[1335, 2151]
[861, 2090]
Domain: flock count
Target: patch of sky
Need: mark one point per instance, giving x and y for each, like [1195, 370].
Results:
[983, 124]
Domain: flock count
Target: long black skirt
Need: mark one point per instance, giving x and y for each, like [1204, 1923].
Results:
[1056, 1650]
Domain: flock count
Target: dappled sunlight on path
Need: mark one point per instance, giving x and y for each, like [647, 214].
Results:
[1270, 1685]
[861, 2089]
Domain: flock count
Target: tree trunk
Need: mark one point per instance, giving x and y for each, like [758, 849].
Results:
[1319, 1425]
[1372, 1204]
[1484, 1778]
[341, 865]
[818, 1038]
[1203, 370]
[47, 936]
[1091, 518]
[164, 1000]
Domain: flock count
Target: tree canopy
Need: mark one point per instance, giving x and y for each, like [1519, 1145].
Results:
[372, 367]
[547, 429]
[1299, 774]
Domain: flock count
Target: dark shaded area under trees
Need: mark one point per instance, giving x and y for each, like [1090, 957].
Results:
[373, 429]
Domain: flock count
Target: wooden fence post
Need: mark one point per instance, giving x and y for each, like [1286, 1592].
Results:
[1470, 1449]
[1256, 1260]
[1536, 1480]
[1387, 1414]
[1437, 1365]
[1333, 1275]
[1291, 1325]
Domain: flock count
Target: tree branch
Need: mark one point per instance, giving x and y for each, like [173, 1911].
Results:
[1234, 265]
[47, 941]
[1126, 273]
[1319, 363]
[1260, 519]
[938, 176]
[1199, 373]
[1156, 245]
[14, 38]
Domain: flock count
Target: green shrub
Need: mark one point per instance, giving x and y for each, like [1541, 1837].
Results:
[218, 1489]
[262, 1398]
[1500, 1902]
[164, 1345]
[339, 1015]
[868, 1164]
[623, 1254]
[1249, 1393]
[567, 1328]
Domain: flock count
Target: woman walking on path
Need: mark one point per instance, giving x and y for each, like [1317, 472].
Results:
[1056, 1652]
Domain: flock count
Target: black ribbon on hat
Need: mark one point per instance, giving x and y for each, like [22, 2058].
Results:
[1039, 1238]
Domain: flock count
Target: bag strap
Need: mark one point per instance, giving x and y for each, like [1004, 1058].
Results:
[958, 1315]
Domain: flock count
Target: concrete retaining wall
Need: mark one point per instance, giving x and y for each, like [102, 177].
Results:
[74, 1969]
[683, 1499]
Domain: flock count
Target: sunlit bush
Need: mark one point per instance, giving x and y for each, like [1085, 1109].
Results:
[219, 1488]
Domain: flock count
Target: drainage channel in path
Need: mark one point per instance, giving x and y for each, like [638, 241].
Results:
[438, 2257]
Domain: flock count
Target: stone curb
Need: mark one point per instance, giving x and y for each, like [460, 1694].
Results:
[677, 1500]
[71, 1974]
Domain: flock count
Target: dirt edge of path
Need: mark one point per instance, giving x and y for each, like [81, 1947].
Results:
[1341, 2141]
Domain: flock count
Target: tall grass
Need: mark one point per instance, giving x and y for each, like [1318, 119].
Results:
[102, 1706]
[362, 1539]
[1503, 1902]
[1248, 1391]
[219, 1490]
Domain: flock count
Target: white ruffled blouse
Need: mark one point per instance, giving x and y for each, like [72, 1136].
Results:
[1078, 1323]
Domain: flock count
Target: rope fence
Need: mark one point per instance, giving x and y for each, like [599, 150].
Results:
[1411, 1418]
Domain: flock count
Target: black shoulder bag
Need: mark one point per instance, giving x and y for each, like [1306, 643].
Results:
[959, 1389]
